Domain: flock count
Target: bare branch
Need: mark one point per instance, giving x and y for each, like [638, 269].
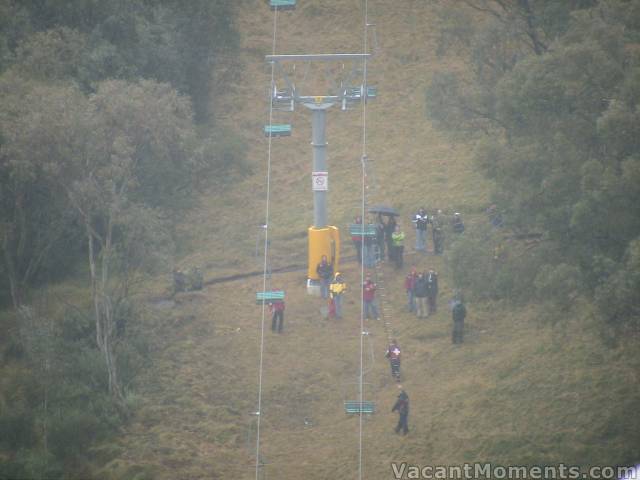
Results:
[486, 9]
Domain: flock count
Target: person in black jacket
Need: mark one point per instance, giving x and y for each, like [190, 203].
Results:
[458, 312]
[420, 292]
[438, 240]
[432, 291]
[325, 272]
[389, 228]
[456, 223]
[380, 226]
[402, 407]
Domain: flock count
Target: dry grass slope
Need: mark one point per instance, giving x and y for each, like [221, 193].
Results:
[516, 392]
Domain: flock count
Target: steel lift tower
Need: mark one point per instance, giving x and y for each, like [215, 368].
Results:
[324, 239]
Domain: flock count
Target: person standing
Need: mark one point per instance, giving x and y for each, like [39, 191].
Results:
[277, 308]
[458, 312]
[437, 219]
[393, 354]
[179, 281]
[368, 253]
[456, 224]
[410, 286]
[389, 228]
[380, 238]
[357, 238]
[432, 291]
[397, 238]
[495, 217]
[402, 407]
[336, 289]
[325, 272]
[369, 298]
[438, 240]
[421, 219]
[420, 292]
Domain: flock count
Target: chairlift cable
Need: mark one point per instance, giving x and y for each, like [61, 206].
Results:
[266, 252]
[362, 216]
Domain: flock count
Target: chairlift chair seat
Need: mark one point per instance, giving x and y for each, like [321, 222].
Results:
[353, 95]
[277, 130]
[270, 297]
[356, 230]
[282, 100]
[282, 4]
[357, 407]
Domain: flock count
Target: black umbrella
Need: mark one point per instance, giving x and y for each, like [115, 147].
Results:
[384, 210]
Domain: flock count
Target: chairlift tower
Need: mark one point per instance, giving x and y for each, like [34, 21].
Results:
[324, 239]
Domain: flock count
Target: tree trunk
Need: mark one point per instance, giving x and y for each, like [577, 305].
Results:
[105, 315]
[102, 309]
[14, 284]
[538, 46]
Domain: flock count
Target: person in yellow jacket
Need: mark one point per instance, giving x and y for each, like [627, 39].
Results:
[397, 238]
[336, 289]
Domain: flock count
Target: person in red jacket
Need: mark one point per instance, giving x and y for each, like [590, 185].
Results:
[410, 286]
[369, 298]
[393, 354]
[277, 308]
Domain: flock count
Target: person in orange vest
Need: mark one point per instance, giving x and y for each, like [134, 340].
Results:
[393, 354]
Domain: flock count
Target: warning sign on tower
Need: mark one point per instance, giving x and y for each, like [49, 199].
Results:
[320, 181]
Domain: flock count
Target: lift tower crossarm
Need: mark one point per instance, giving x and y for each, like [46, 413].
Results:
[319, 57]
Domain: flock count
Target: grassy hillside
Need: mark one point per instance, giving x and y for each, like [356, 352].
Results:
[516, 392]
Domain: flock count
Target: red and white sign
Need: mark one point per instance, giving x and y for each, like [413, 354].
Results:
[320, 181]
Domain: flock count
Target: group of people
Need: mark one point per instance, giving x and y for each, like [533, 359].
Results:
[332, 286]
[393, 352]
[388, 242]
[422, 292]
[422, 220]
[402, 402]
[421, 287]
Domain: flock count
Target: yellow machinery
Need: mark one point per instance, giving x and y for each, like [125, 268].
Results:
[322, 241]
